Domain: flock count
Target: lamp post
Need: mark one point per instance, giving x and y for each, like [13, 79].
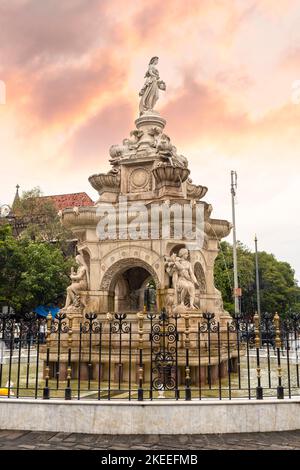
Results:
[257, 280]
[236, 293]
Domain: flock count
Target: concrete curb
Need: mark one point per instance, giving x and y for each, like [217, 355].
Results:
[157, 417]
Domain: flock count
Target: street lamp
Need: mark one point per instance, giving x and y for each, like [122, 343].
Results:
[237, 290]
[257, 280]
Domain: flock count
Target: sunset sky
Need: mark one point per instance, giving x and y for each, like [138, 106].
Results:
[73, 70]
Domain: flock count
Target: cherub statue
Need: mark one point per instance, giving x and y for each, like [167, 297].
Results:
[80, 281]
[116, 153]
[168, 152]
[183, 277]
[164, 148]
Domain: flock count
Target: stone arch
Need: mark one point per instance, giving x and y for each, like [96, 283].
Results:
[86, 256]
[85, 249]
[175, 247]
[121, 266]
[85, 252]
[200, 275]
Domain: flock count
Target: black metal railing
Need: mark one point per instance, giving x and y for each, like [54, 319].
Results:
[148, 356]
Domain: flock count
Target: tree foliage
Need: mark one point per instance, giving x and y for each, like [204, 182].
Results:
[279, 290]
[31, 272]
[40, 217]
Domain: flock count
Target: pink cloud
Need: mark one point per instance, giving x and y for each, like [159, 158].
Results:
[206, 113]
[91, 141]
[291, 58]
[67, 91]
[35, 32]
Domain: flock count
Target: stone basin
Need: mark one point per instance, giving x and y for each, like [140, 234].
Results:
[105, 182]
[196, 191]
[168, 175]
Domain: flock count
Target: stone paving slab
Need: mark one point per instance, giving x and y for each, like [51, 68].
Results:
[33, 440]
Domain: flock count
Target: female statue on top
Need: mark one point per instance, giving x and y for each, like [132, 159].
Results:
[149, 93]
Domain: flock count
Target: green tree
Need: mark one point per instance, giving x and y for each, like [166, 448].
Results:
[224, 275]
[278, 288]
[11, 265]
[41, 221]
[31, 273]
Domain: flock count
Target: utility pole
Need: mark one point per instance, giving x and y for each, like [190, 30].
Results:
[257, 280]
[236, 292]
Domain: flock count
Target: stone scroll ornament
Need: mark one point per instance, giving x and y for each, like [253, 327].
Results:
[150, 92]
[183, 277]
[80, 282]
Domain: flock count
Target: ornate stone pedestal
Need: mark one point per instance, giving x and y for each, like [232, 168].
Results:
[118, 269]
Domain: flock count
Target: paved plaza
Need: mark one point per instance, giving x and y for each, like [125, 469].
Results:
[28, 440]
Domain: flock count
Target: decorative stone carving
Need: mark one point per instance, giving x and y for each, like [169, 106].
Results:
[168, 152]
[139, 179]
[164, 148]
[130, 145]
[170, 302]
[116, 152]
[147, 168]
[200, 276]
[166, 174]
[109, 182]
[170, 268]
[80, 282]
[128, 148]
[137, 134]
[183, 277]
[195, 191]
[154, 132]
[123, 270]
[217, 228]
[150, 92]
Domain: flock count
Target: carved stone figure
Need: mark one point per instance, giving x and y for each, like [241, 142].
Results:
[116, 153]
[154, 131]
[137, 134]
[170, 266]
[183, 277]
[168, 152]
[164, 148]
[150, 92]
[179, 160]
[80, 281]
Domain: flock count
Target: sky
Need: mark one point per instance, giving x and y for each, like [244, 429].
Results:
[72, 72]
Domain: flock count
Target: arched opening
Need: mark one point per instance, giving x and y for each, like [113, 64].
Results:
[131, 286]
[87, 260]
[133, 290]
[177, 248]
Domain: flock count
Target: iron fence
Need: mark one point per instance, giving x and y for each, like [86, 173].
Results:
[149, 356]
